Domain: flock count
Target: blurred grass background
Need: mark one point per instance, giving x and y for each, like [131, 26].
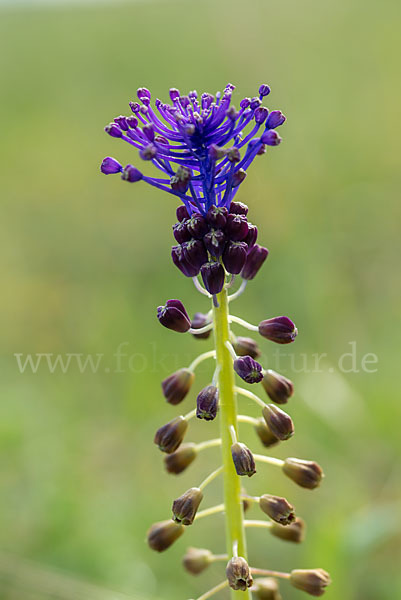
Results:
[86, 261]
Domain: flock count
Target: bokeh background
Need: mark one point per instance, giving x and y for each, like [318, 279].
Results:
[86, 261]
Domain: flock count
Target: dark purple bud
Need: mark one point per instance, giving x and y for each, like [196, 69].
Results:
[197, 226]
[264, 90]
[238, 208]
[143, 94]
[132, 122]
[233, 155]
[234, 257]
[174, 94]
[252, 235]
[200, 320]
[121, 122]
[311, 581]
[161, 535]
[238, 574]
[135, 107]
[177, 254]
[184, 101]
[160, 139]
[245, 346]
[181, 232]
[215, 242]
[182, 213]
[170, 436]
[176, 386]
[207, 100]
[195, 253]
[180, 181]
[245, 103]
[267, 438]
[217, 216]
[254, 260]
[279, 329]
[295, 532]
[279, 423]
[148, 152]
[255, 103]
[261, 114]
[216, 153]
[262, 150]
[196, 560]
[149, 132]
[110, 165]
[113, 130]
[306, 473]
[185, 507]
[236, 227]
[179, 460]
[275, 119]
[248, 369]
[277, 508]
[239, 177]
[270, 137]
[213, 277]
[243, 460]
[277, 387]
[131, 174]
[174, 316]
[207, 403]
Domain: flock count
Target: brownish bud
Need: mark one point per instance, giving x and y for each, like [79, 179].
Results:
[277, 387]
[278, 509]
[246, 504]
[243, 460]
[185, 507]
[179, 460]
[267, 438]
[170, 436]
[312, 581]
[245, 346]
[306, 473]
[197, 560]
[176, 386]
[295, 532]
[161, 535]
[279, 423]
[238, 574]
[266, 588]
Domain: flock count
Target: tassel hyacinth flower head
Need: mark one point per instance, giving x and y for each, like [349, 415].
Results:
[202, 147]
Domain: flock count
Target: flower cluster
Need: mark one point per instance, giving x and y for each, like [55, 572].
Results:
[204, 147]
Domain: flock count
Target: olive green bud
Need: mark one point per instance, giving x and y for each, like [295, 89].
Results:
[277, 387]
[245, 346]
[179, 460]
[238, 574]
[306, 473]
[267, 438]
[197, 560]
[185, 507]
[243, 460]
[266, 588]
[170, 436]
[279, 423]
[162, 535]
[294, 532]
[278, 509]
[176, 386]
[312, 581]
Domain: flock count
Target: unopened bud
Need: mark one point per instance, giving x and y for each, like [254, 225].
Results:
[277, 387]
[279, 329]
[176, 386]
[233, 155]
[236, 227]
[174, 316]
[216, 152]
[239, 177]
[295, 532]
[248, 369]
[238, 208]
[185, 507]
[200, 320]
[238, 574]
[243, 460]
[179, 460]
[207, 403]
[197, 226]
[266, 588]
[306, 473]
[312, 581]
[182, 212]
[131, 174]
[161, 535]
[217, 216]
[245, 346]
[215, 242]
[213, 277]
[196, 560]
[275, 119]
[110, 166]
[170, 436]
[279, 423]
[267, 438]
[254, 260]
[180, 181]
[148, 152]
[270, 137]
[278, 509]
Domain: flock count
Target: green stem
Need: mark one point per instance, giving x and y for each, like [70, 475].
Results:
[235, 532]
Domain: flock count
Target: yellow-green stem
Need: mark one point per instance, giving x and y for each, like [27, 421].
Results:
[235, 531]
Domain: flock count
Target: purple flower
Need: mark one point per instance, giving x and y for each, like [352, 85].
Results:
[110, 165]
[279, 329]
[248, 369]
[174, 316]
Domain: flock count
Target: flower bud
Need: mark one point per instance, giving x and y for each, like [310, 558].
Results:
[267, 438]
[233, 155]
[177, 254]
[279, 329]
[176, 386]
[254, 260]
[248, 369]
[243, 460]
[312, 581]
[132, 122]
[216, 152]
[266, 588]
[217, 216]
[207, 403]
[181, 232]
[197, 560]
[174, 94]
[264, 90]
[239, 177]
[148, 152]
[238, 208]
[306, 473]
[251, 236]
[114, 130]
[261, 114]
[110, 166]
[215, 242]
[131, 174]
[245, 346]
[200, 320]
[121, 122]
[143, 94]
[161, 535]
[169, 437]
[197, 226]
[236, 227]
[213, 277]
[185, 507]
[279, 423]
[278, 509]
[278, 388]
[174, 316]
[149, 132]
[234, 256]
[275, 119]
[270, 137]
[295, 532]
[238, 574]
[182, 213]
[195, 253]
[179, 460]
[180, 180]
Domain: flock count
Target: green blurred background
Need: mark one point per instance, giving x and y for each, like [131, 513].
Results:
[86, 261]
